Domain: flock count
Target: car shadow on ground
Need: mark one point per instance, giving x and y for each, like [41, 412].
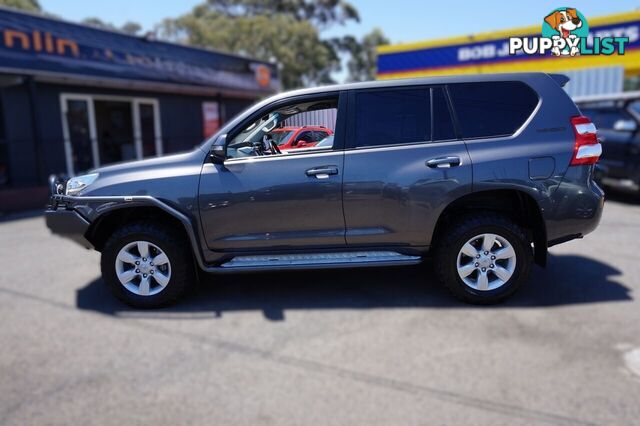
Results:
[567, 280]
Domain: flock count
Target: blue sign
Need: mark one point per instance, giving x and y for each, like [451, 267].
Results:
[487, 52]
[33, 44]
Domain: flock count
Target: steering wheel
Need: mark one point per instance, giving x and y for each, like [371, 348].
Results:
[274, 147]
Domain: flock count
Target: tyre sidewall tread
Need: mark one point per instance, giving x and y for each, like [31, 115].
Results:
[174, 246]
[466, 228]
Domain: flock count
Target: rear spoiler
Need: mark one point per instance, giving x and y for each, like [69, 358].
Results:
[561, 79]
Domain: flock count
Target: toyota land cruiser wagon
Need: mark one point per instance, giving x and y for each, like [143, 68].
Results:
[477, 175]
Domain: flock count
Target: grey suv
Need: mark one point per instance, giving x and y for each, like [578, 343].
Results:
[478, 175]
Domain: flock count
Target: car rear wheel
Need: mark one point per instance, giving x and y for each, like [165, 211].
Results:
[147, 265]
[484, 259]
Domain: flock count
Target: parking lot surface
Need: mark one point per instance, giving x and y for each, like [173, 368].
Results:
[369, 346]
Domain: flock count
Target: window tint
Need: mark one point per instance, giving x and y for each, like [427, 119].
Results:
[493, 108]
[318, 136]
[305, 137]
[386, 117]
[442, 122]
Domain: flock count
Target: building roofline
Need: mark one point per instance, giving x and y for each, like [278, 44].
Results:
[141, 38]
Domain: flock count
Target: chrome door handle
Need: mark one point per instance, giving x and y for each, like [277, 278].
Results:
[443, 162]
[322, 172]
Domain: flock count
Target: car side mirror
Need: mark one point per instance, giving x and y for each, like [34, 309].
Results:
[219, 150]
[625, 126]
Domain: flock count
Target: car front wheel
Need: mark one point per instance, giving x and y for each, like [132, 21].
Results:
[147, 265]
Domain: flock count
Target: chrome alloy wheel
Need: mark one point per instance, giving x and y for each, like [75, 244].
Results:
[486, 262]
[143, 268]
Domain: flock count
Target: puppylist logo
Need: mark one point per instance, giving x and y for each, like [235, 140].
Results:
[565, 32]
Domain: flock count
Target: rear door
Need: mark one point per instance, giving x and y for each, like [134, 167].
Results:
[403, 165]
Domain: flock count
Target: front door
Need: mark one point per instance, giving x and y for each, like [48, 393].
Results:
[263, 199]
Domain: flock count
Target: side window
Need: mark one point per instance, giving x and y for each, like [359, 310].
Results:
[492, 109]
[442, 123]
[303, 137]
[394, 116]
[318, 136]
[271, 133]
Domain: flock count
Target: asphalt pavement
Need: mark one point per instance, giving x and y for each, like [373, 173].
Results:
[369, 346]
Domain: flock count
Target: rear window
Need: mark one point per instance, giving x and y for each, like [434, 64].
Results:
[492, 109]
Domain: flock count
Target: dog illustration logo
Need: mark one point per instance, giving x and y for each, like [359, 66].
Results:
[566, 23]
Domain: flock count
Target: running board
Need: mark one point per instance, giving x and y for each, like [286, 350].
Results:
[320, 260]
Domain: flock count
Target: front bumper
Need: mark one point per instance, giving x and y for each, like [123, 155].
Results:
[68, 224]
[61, 218]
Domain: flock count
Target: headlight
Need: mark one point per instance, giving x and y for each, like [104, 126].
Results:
[78, 183]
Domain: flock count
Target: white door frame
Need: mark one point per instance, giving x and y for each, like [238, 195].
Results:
[135, 118]
[68, 149]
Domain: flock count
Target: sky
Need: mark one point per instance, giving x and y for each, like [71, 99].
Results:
[400, 20]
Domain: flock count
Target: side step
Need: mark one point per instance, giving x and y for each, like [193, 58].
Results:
[321, 260]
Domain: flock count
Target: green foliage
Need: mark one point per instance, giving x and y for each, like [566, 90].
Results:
[285, 31]
[132, 28]
[363, 55]
[28, 5]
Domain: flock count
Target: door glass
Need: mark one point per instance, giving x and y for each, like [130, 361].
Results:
[79, 135]
[271, 133]
[147, 130]
[387, 117]
[114, 127]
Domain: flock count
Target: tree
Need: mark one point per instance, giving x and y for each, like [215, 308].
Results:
[363, 54]
[132, 28]
[285, 31]
[28, 5]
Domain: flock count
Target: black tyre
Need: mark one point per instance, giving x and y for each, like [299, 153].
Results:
[483, 259]
[147, 265]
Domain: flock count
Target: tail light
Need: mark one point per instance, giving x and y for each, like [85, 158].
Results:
[587, 148]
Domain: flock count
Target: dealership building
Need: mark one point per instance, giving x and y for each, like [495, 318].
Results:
[74, 97]
[488, 53]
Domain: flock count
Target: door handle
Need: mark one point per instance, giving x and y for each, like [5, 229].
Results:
[443, 162]
[322, 172]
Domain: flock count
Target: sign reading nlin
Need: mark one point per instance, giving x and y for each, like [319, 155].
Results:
[40, 42]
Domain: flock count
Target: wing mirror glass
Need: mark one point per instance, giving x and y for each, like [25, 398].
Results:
[219, 150]
[625, 126]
